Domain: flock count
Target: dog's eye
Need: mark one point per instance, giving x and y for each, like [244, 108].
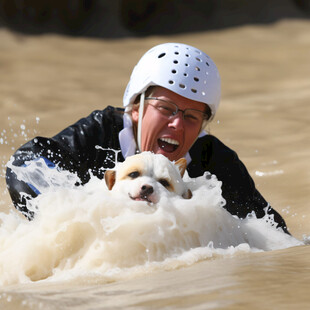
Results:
[164, 183]
[134, 174]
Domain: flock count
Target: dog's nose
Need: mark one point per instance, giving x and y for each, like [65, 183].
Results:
[146, 190]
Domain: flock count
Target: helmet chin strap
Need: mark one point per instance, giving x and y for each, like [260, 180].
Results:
[141, 110]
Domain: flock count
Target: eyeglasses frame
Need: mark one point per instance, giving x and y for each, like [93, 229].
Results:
[177, 110]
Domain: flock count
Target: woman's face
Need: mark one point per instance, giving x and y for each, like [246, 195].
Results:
[173, 136]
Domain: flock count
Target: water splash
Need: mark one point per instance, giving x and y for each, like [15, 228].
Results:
[86, 230]
[15, 135]
[82, 231]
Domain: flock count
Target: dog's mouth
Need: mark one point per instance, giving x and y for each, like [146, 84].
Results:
[167, 144]
[140, 198]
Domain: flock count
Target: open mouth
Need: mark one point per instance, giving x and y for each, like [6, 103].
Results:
[140, 198]
[168, 145]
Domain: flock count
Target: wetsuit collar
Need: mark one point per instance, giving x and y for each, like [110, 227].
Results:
[126, 138]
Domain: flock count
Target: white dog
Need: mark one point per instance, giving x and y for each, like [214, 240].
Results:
[143, 177]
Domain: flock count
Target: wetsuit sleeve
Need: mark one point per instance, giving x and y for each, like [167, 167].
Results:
[82, 148]
[238, 188]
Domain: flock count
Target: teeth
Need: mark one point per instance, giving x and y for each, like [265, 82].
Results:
[170, 141]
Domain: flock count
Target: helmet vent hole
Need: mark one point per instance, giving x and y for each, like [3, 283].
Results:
[174, 71]
[207, 64]
[182, 86]
[171, 82]
[176, 53]
[194, 90]
[197, 69]
[186, 65]
[175, 62]
[196, 79]
[161, 55]
[185, 74]
[198, 59]
[186, 55]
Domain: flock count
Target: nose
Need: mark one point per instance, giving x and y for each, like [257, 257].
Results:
[177, 120]
[146, 190]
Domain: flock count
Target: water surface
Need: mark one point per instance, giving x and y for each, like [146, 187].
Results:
[50, 81]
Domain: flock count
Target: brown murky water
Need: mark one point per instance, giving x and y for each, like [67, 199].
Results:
[50, 81]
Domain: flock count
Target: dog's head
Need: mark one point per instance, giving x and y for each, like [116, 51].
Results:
[145, 176]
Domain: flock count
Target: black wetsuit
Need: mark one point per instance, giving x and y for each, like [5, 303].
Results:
[88, 146]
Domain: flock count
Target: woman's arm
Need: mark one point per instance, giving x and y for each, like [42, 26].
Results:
[238, 188]
[87, 146]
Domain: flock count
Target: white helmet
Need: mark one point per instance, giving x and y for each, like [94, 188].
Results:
[181, 68]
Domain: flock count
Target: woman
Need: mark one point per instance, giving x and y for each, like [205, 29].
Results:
[173, 92]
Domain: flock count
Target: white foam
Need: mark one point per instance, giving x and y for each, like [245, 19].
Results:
[81, 231]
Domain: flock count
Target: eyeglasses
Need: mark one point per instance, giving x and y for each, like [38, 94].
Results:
[170, 109]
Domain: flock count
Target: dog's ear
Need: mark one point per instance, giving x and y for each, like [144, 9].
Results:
[109, 177]
[188, 194]
[181, 164]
